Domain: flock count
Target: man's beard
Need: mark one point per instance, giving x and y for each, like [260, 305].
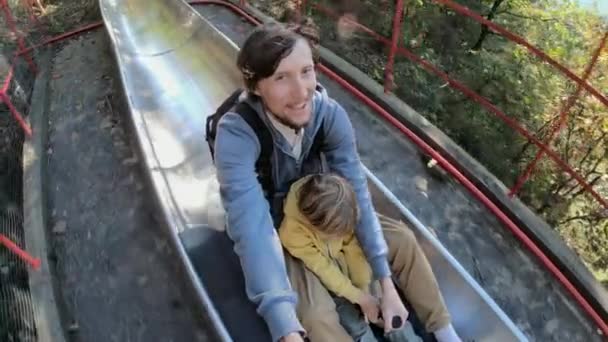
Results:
[288, 123]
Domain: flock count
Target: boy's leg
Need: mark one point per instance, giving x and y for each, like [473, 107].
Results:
[414, 274]
[353, 321]
[316, 308]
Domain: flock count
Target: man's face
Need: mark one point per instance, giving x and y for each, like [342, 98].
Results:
[288, 93]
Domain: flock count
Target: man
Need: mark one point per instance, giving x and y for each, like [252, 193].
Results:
[278, 69]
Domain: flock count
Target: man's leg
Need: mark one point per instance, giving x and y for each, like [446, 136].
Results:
[414, 274]
[316, 308]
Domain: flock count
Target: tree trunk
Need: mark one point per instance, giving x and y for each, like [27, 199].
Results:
[484, 28]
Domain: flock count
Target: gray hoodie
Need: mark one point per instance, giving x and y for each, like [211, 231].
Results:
[251, 220]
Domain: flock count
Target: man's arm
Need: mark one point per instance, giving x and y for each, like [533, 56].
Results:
[250, 226]
[342, 157]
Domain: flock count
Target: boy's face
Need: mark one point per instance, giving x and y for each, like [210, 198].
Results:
[288, 92]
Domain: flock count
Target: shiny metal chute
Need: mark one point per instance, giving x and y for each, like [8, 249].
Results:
[176, 68]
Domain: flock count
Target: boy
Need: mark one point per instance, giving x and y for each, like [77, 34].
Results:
[321, 213]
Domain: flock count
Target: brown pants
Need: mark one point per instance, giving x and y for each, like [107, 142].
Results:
[316, 308]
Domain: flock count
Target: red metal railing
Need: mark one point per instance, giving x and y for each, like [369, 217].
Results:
[9, 77]
[487, 104]
[23, 255]
[389, 78]
[563, 116]
[4, 97]
[463, 10]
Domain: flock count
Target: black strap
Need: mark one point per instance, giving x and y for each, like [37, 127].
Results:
[319, 139]
[213, 120]
[263, 164]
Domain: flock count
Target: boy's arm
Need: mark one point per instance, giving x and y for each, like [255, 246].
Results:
[341, 152]
[359, 269]
[251, 228]
[299, 243]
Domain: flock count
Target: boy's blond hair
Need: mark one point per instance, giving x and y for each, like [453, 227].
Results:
[329, 202]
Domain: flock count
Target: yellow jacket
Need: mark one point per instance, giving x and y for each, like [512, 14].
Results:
[338, 262]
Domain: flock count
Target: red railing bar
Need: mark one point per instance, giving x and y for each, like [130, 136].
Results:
[7, 80]
[463, 10]
[485, 103]
[24, 125]
[62, 36]
[389, 78]
[454, 171]
[522, 179]
[23, 255]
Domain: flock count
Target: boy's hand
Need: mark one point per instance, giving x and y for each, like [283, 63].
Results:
[370, 307]
[391, 305]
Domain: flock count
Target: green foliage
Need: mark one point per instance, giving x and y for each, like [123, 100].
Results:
[529, 91]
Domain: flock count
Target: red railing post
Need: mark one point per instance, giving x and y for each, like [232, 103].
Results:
[389, 78]
[242, 3]
[521, 180]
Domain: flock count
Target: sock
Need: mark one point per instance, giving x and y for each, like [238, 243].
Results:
[447, 334]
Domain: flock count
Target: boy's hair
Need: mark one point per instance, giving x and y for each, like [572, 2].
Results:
[329, 202]
[267, 45]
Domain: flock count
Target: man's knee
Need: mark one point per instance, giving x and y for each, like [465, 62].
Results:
[397, 234]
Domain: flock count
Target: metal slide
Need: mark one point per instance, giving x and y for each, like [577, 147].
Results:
[175, 69]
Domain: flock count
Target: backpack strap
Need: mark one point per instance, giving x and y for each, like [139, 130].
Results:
[213, 120]
[263, 164]
[319, 139]
[316, 148]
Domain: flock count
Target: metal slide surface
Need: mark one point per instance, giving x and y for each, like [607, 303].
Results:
[175, 69]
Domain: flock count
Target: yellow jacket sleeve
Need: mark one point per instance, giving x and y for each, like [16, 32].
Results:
[299, 242]
[359, 269]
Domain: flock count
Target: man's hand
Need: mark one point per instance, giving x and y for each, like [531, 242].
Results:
[370, 307]
[391, 305]
[292, 337]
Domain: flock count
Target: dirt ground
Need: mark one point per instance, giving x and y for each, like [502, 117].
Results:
[117, 272]
[512, 277]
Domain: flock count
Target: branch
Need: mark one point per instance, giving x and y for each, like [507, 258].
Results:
[568, 139]
[593, 169]
[484, 28]
[519, 155]
[591, 184]
[592, 147]
[573, 218]
[527, 17]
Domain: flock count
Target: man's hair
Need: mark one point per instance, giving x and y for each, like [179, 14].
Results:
[267, 45]
[329, 202]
